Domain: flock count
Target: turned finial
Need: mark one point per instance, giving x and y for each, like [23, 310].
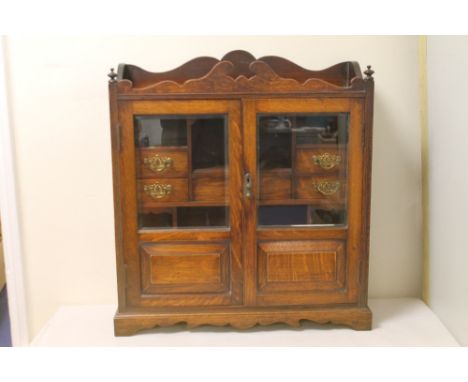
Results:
[112, 75]
[369, 72]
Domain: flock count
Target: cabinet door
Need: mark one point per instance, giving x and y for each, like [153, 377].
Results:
[304, 166]
[181, 183]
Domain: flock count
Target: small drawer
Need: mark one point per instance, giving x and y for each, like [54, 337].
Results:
[161, 190]
[320, 159]
[321, 188]
[155, 162]
[275, 184]
[210, 184]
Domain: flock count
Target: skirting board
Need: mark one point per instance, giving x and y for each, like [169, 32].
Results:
[396, 322]
[356, 318]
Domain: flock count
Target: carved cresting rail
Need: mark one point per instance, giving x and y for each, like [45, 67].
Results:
[240, 72]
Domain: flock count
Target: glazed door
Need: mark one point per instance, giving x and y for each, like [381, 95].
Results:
[302, 199]
[181, 180]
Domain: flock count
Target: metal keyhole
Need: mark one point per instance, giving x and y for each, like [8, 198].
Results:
[247, 185]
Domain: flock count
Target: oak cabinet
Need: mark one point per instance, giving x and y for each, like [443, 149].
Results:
[241, 193]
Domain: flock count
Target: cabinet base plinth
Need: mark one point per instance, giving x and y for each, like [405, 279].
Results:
[128, 323]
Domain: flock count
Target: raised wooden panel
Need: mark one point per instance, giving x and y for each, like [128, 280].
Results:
[184, 268]
[162, 162]
[300, 265]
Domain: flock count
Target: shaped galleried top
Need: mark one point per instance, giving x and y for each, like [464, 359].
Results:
[239, 72]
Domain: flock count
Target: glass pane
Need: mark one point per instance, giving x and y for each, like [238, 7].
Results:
[157, 131]
[302, 165]
[182, 171]
[186, 217]
[202, 217]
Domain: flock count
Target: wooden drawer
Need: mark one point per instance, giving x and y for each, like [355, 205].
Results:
[165, 162]
[157, 191]
[210, 185]
[275, 184]
[321, 188]
[320, 159]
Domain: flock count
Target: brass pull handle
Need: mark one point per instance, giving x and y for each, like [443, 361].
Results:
[158, 190]
[327, 161]
[327, 188]
[157, 163]
[247, 186]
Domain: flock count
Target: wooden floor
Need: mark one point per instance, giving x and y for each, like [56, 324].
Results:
[397, 322]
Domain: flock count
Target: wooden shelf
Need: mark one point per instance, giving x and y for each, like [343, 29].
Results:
[295, 202]
[184, 204]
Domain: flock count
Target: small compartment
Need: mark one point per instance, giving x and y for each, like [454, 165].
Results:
[275, 184]
[202, 217]
[317, 159]
[155, 218]
[321, 188]
[171, 161]
[151, 131]
[282, 215]
[274, 142]
[321, 129]
[209, 143]
[210, 184]
[161, 190]
[334, 215]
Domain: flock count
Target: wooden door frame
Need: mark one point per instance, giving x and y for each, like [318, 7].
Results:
[352, 232]
[10, 218]
[132, 297]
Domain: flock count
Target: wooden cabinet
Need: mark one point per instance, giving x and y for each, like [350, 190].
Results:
[241, 193]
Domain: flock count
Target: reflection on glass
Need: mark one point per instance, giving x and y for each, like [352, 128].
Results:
[202, 217]
[160, 131]
[182, 164]
[302, 164]
[187, 217]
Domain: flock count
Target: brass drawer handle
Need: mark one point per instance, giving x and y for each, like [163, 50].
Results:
[327, 161]
[158, 190]
[157, 163]
[327, 188]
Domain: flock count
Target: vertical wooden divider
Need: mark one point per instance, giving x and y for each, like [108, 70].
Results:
[235, 173]
[250, 204]
[189, 158]
[293, 158]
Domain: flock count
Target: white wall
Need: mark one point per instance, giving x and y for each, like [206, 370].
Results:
[58, 93]
[447, 62]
